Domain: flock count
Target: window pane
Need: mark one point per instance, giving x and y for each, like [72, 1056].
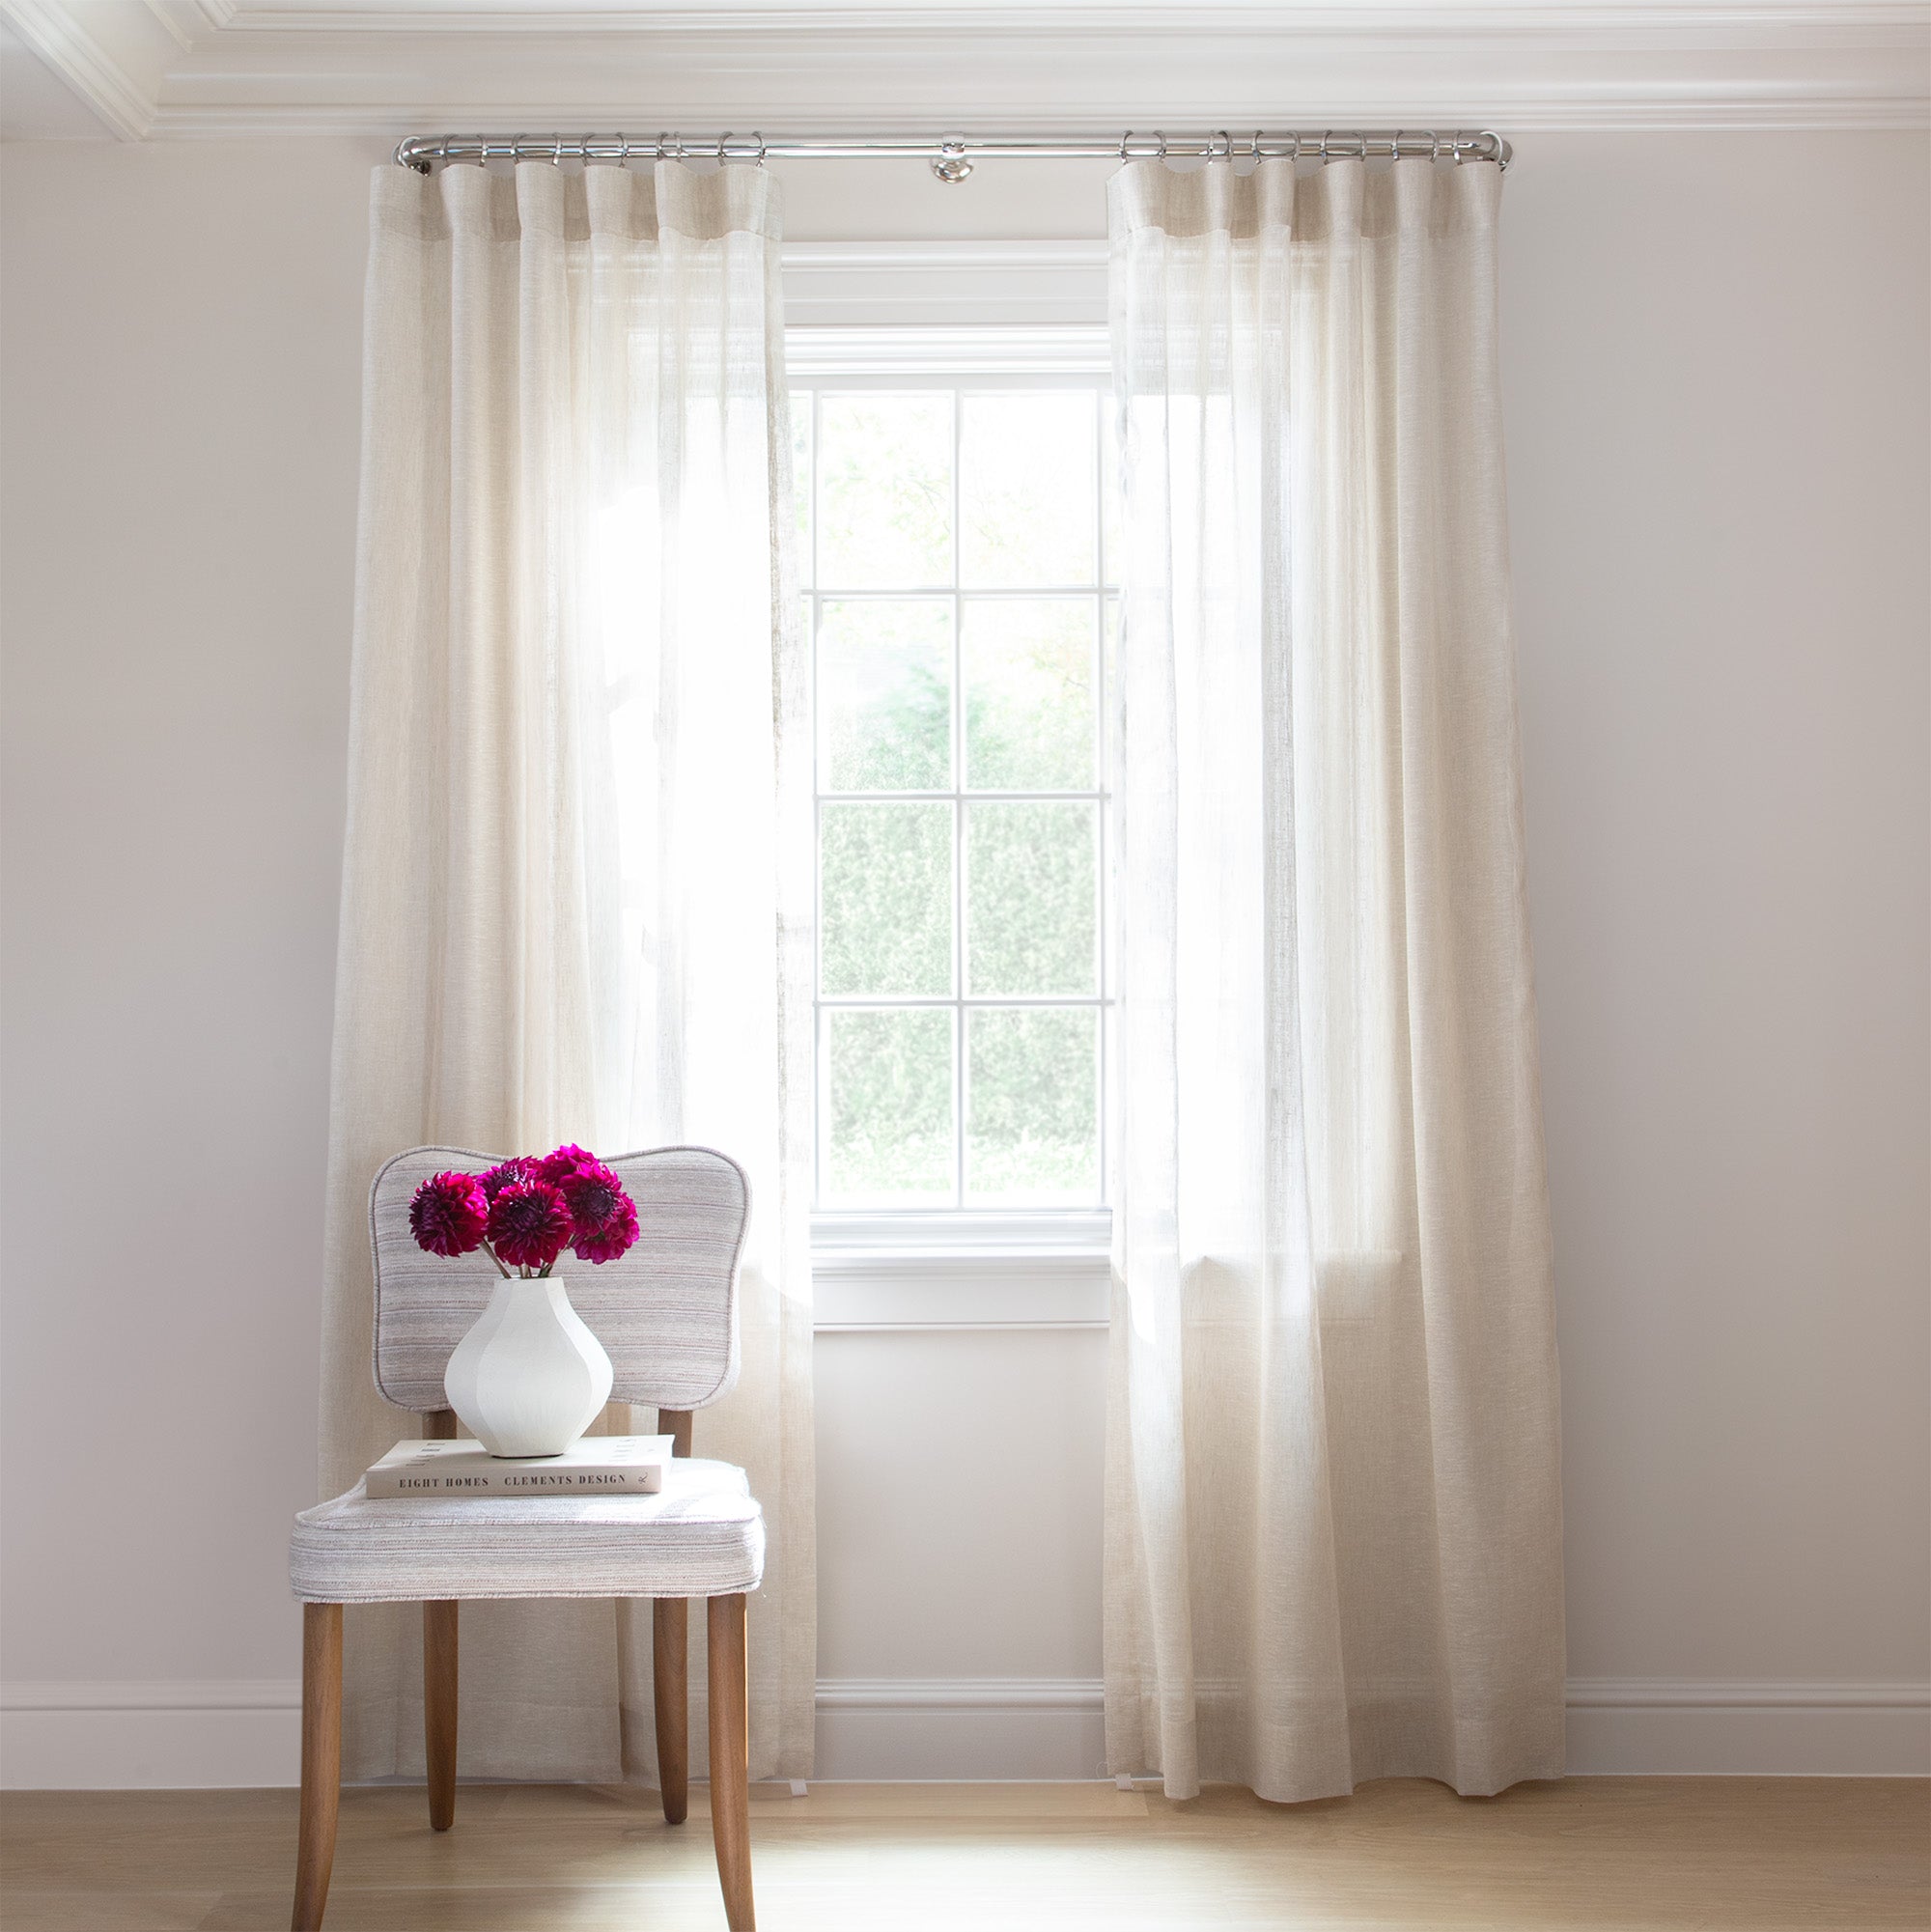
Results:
[884, 491]
[885, 899]
[1032, 1121]
[800, 480]
[1028, 693]
[885, 694]
[1030, 899]
[1027, 489]
[889, 1105]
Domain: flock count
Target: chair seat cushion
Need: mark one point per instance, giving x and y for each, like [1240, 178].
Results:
[701, 1535]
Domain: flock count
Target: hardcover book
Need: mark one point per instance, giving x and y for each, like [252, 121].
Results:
[622, 1465]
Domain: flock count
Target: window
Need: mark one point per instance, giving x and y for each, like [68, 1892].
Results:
[958, 586]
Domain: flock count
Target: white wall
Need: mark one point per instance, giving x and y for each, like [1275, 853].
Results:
[1714, 354]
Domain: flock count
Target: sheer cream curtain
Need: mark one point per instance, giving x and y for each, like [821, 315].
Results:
[1335, 1518]
[577, 894]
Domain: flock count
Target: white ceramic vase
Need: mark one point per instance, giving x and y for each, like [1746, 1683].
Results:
[529, 1377]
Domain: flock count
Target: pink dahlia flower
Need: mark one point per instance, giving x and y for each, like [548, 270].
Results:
[557, 1168]
[506, 1174]
[529, 1224]
[602, 1213]
[613, 1239]
[449, 1215]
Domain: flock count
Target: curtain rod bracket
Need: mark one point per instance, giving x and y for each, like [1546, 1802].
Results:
[951, 163]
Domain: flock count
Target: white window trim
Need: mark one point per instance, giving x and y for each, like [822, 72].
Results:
[901, 1268]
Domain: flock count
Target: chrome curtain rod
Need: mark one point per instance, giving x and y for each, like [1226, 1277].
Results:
[951, 155]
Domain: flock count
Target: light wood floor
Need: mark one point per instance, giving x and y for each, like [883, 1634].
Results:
[1623, 1853]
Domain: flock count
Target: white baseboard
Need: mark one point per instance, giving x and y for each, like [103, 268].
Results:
[895, 1728]
[152, 1734]
[122, 1736]
[1731, 1726]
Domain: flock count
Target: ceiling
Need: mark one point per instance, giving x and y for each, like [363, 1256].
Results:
[145, 70]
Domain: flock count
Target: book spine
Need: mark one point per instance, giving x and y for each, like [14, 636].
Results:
[388, 1485]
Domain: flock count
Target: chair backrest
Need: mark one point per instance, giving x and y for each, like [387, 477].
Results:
[666, 1311]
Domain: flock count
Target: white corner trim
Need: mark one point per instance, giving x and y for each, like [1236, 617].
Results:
[1701, 1727]
[790, 67]
[1728, 1693]
[1014, 1271]
[1024, 302]
[60, 36]
[1062, 349]
[961, 1694]
[194, 68]
[154, 1694]
[109, 1735]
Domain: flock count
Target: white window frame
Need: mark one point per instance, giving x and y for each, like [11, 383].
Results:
[899, 1268]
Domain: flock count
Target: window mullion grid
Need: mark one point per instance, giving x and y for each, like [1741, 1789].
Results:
[959, 1055]
[1099, 774]
[959, 795]
[821, 1024]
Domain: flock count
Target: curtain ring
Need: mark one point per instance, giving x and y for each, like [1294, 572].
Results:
[1321, 153]
[1255, 146]
[759, 140]
[723, 140]
[1162, 139]
[1227, 141]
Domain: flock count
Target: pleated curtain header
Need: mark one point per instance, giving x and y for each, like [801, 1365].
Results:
[539, 198]
[1414, 196]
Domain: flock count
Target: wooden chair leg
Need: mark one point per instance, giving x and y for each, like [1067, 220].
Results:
[440, 1688]
[731, 1759]
[320, 1760]
[670, 1646]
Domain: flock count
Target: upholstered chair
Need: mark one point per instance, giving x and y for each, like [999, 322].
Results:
[667, 1314]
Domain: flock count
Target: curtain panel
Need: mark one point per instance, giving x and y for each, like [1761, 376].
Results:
[1334, 1511]
[576, 893]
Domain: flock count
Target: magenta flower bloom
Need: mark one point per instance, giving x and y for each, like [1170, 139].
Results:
[613, 1238]
[557, 1168]
[507, 1173]
[449, 1215]
[603, 1217]
[529, 1224]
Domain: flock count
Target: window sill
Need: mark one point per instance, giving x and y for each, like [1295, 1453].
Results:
[890, 1271]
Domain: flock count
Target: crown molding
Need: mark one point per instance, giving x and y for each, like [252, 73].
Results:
[195, 68]
[93, 52]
